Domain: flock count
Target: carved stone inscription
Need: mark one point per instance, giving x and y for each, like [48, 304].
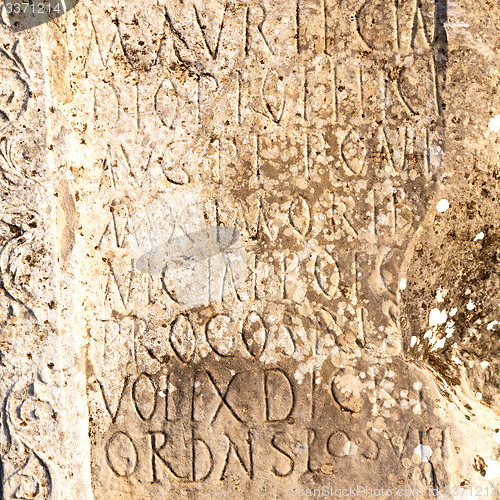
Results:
[250, 179]
[321, 143]
[238, 421]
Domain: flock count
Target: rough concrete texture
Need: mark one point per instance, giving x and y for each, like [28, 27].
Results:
[251, 250]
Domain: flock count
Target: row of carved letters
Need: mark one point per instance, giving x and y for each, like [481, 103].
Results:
[198, 462]
[192, 38]
[256, 218]
[394, 153]
[177, 101]
[269, 396]
[320, 275]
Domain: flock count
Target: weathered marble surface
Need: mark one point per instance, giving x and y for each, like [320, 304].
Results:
[250, 248]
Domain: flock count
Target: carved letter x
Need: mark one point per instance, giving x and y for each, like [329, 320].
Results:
[223, 400]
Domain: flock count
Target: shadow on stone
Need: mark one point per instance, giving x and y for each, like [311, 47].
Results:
[189, 249]
[201, 267]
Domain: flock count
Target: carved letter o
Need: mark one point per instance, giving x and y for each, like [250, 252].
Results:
[121, 454]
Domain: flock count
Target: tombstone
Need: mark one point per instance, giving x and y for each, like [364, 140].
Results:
[249, 250]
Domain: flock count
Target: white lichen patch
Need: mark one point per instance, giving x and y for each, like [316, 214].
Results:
[494, 124]
[442, 206]
[423, 452]
[450, 328]
[492, 469]
[437, 317]
[441, 294]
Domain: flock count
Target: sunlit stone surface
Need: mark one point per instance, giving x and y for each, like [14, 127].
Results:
[250, 250]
